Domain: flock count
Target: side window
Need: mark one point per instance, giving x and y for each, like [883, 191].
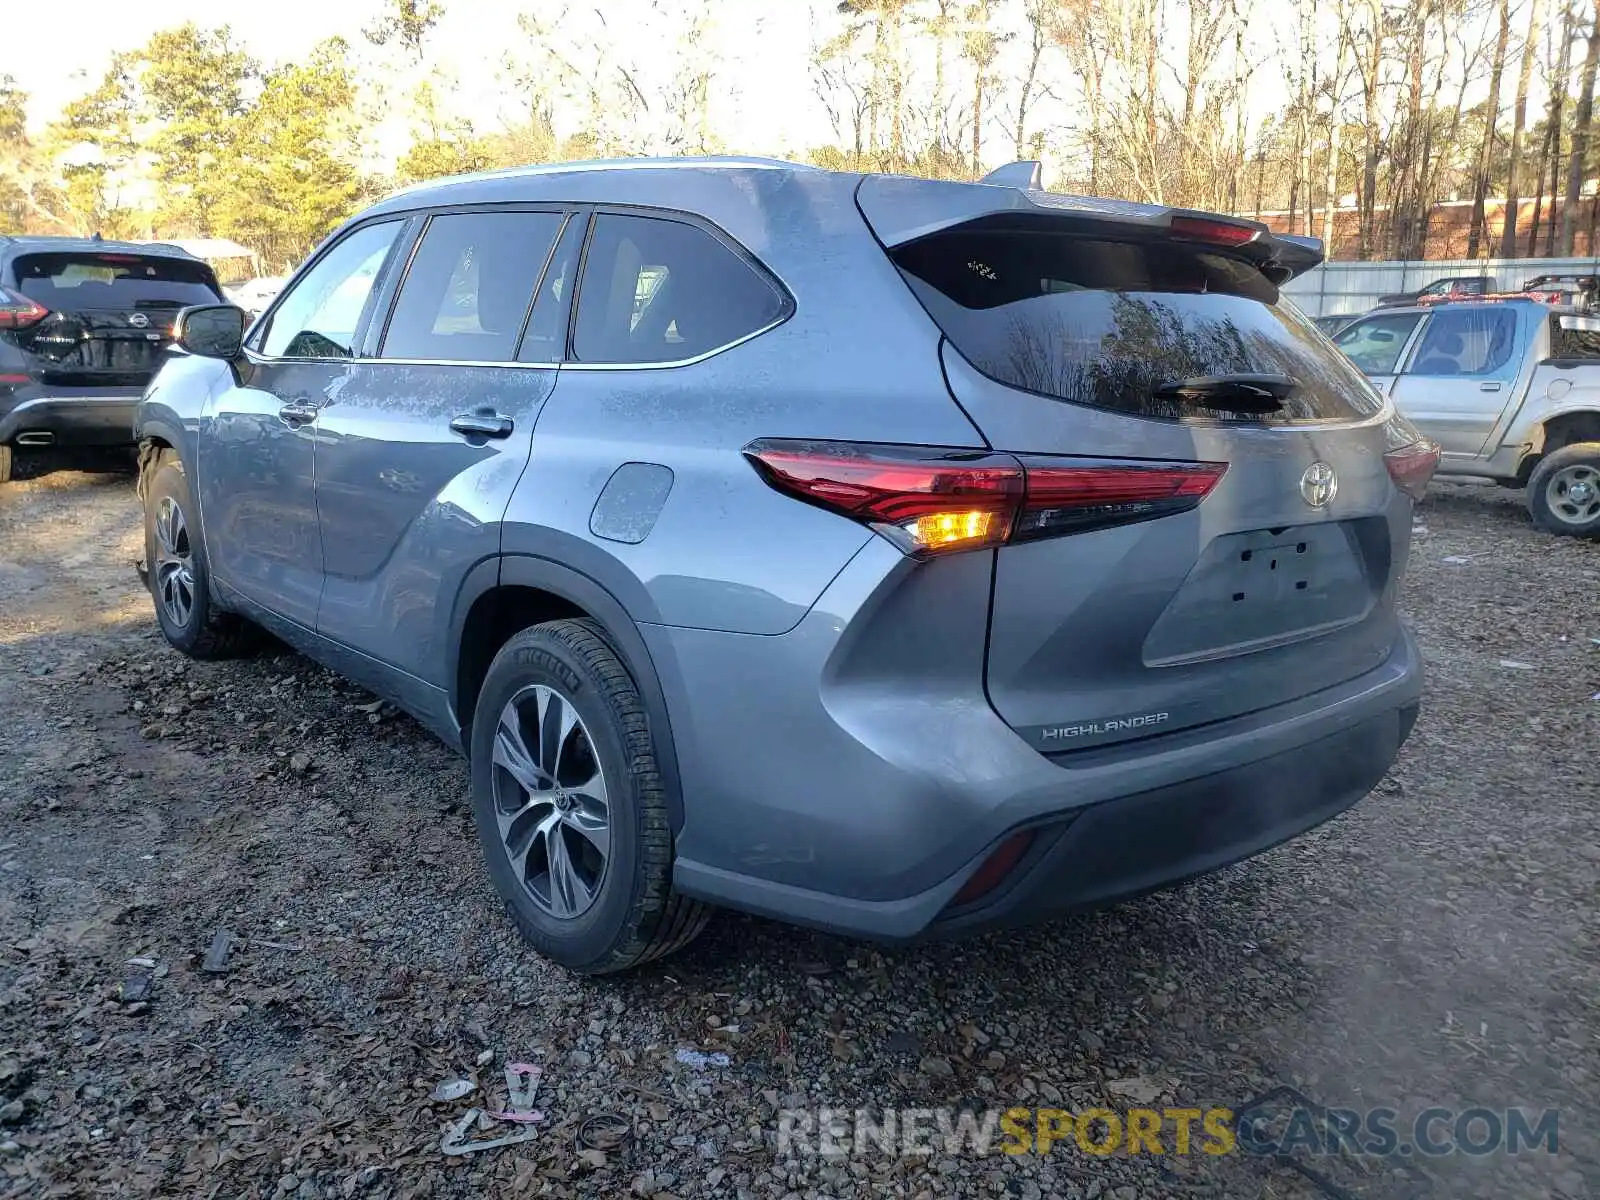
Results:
[320, 315]
[466, 294]
[659, 290]
[1466, 341]
[1375, 344]
[546, 338]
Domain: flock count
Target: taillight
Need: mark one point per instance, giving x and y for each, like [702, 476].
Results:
[1412, 466]
[1218, 233]
[19, 312]
[931, 500]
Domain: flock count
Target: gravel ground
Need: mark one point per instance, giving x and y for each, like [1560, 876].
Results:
[1436, 946]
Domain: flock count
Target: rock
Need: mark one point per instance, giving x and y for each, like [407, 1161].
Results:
[13, 1113]
[579, 1059]
[299, 762]
[683, 1140]
[1027, 1189]
[595, 1158]
[288, 1183]
[936, 1067]
[1091, 1041]
[713, 1176]
[644, 1184]
[993, 1060]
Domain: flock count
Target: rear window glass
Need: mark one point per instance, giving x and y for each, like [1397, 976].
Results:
[1111, 323]
[1574, 337]
[67, 281]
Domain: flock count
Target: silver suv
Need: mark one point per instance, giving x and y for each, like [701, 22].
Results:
[898, 557]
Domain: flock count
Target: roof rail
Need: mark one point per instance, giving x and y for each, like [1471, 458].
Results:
[1027, 174]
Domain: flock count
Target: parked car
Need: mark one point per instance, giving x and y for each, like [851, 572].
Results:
[899, 557]
[254, 295]
[1510, 389]
[1451, 286]
[83, 325]
[1332, 323]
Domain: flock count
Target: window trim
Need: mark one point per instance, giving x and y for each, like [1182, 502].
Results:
[786, 302]
[258, 331]
[372, 349]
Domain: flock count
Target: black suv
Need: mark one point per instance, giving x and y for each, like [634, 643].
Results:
[83, 325]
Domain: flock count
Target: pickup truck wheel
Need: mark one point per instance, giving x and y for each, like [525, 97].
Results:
[1564, 491]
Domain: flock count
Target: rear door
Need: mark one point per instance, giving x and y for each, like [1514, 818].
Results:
[111, 313]
[1066, 337]
[418, 452]
[1457, 382]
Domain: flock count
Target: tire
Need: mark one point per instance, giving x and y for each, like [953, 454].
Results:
[175, 570]
[589, 911]
[1564, 491]
[6, 458]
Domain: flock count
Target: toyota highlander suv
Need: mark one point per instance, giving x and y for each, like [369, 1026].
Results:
[83, 325]
[898, 557]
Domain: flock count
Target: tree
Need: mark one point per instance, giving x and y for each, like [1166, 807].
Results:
[1480, 189]
[1519, 119]
[1578, 158]
[293, 180]
[406, 22]
[980, 45]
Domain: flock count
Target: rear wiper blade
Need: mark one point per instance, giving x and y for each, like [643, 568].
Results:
[1231, 393]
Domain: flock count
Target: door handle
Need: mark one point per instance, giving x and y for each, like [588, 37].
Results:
[482, 422]
[298, 412]
[1488, 387]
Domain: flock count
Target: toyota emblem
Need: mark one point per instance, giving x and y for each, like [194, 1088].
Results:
[138, 320]
[1319, 485]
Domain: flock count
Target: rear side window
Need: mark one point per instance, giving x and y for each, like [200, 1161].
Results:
[1466, 341]
[1375, 344]
[466, 295]
[658, 290]
[1109, 323]
[67, 282]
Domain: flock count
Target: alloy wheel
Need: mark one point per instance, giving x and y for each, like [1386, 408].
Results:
[174, 566]
[551, 801]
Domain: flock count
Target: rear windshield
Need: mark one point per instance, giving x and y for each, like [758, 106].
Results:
[67, 281]
[1110, 323]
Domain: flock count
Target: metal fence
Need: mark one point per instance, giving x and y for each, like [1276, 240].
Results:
[1354, 287]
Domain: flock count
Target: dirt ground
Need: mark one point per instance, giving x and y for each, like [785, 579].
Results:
[1434, 947]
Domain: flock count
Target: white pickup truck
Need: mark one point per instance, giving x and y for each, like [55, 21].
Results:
[1509, 388]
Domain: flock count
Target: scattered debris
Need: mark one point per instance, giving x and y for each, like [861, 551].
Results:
[216, 959]
[452, 1089]
[1457, 559]
[1138, 1090]
[522, 1084]
[601, 1134]
[1512, 664]
[136, 984]
[266, 945]
[456, 1140]
[700, 1060]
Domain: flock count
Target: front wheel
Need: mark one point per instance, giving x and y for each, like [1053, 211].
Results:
[1564, 491]
[175, 567]
[570, 806]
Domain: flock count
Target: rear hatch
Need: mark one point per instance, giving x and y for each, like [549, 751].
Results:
[1083, 336]
[109, 315]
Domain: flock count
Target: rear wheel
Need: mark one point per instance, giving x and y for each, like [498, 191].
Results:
[1564, 491]
[570, 805]
[176, 571]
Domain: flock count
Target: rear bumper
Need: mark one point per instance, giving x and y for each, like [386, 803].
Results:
[73, 417]
[856, 788]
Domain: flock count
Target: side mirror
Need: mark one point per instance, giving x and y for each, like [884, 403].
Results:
[211, 330]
